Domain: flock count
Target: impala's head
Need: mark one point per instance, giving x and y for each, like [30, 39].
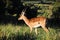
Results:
[21, 15]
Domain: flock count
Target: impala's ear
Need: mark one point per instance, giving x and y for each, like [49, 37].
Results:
[24, 10]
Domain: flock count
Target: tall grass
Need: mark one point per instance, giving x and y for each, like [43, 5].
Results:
[15, 32]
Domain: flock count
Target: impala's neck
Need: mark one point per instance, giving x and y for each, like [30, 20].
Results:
[26, 20]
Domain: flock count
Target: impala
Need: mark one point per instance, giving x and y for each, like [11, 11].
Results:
[34, 22]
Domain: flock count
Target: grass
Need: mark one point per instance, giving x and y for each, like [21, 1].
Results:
[15, 32]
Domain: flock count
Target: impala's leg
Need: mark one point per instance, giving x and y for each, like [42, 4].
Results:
[30, 29]
[45, 28]
[36, 31]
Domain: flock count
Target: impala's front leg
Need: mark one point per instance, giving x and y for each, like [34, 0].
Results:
[36, 31]
[30, 29]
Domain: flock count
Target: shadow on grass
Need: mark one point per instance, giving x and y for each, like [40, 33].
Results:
[19, 37]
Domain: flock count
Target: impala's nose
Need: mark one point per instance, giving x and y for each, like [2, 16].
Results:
[18, 19]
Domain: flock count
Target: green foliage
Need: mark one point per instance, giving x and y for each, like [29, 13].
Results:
[42, 9]
[15, 32]
[56, 5]
[45, 10]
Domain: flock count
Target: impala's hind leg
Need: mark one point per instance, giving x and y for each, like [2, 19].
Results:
[45, 28]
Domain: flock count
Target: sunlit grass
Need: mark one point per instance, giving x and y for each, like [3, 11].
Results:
[15, 32]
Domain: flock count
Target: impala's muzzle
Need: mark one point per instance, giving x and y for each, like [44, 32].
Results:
[18, 18]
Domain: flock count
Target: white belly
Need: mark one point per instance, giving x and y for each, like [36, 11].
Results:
[38, 25]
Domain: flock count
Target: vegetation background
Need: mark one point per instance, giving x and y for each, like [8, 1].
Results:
[12, 29]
